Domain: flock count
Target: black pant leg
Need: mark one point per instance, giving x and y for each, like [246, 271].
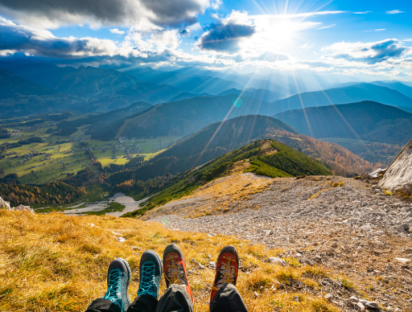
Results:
[103, 305]
[144, 303]
[175, 299]
[228, 299]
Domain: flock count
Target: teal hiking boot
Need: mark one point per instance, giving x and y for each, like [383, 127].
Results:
[118, 280]
[150, 274]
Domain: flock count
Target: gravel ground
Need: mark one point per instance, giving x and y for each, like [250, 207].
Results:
[351, 228]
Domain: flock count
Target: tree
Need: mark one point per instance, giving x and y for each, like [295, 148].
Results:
[1, 172]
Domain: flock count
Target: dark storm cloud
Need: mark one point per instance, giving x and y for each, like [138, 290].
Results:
[113, 12]
[173, 12]
[378, 52]
[225, 37]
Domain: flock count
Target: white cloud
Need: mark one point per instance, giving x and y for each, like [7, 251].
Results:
[307, 46]
[117, 31]
[366, 12]
[394, 12]
[367, 52]
[381, 29]
[326, 27]
[253, 35]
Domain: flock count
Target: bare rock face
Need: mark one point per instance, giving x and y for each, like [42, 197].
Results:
[398, 177]
[6, 205]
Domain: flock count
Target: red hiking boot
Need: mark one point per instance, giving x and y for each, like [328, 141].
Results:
[227, 267]
[175, 268]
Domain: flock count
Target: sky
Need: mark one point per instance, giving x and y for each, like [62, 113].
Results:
[368, 39]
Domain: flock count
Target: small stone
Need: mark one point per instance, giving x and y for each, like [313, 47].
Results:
[276, 260]
[256, 294]
[354, 299]
[212, 265]
[360, 306]
[135, 248]
[121, 239]
[298, 255]
[403, 260]
[328, 296]
[373, 305]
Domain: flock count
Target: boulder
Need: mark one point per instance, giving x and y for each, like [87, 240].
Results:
[4, 204]
[398, 177]
[23, 208]
[276, 260]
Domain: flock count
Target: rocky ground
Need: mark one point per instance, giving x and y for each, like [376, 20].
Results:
[348, 226]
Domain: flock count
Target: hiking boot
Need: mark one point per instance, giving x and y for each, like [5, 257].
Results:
[150, 274]
[226, 269]
[175, 268]
[118, 280]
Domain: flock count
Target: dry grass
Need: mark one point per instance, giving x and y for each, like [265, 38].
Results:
[55, 262]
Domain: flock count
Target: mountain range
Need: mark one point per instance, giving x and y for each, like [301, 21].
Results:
[344, 95]
[365, 120]
[181, 118]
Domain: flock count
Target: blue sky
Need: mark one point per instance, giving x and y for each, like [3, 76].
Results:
[364, 39]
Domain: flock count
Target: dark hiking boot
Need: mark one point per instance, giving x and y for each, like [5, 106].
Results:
[150, 274]
[118, 280]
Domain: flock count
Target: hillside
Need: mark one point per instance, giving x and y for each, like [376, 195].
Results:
[203, 146]
[186, 96]
[259, 94]
[43, 74]
[366, 120]
[108, 89]
[220, 138]
[66, 128]
[341, 161]
[265, 157]
[350, 94]
[20, 97]
[396, 85]
[181, 118]
[231, 134]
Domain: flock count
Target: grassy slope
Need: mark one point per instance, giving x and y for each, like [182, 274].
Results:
[286, 162]
[55, 262]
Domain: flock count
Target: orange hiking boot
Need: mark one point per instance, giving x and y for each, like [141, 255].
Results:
[227, 267]
[175, 268]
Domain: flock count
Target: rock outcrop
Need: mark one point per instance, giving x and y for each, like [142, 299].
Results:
[398, 177]
[6, 205]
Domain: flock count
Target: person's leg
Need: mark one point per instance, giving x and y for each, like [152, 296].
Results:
[224, 296]
[116, 298]
[178, 297]
[150, 274]
[227, 299]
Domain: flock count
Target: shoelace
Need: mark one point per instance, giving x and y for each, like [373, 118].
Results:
[114, 289]
[175, 272]
[148, 283]
[227, 273]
